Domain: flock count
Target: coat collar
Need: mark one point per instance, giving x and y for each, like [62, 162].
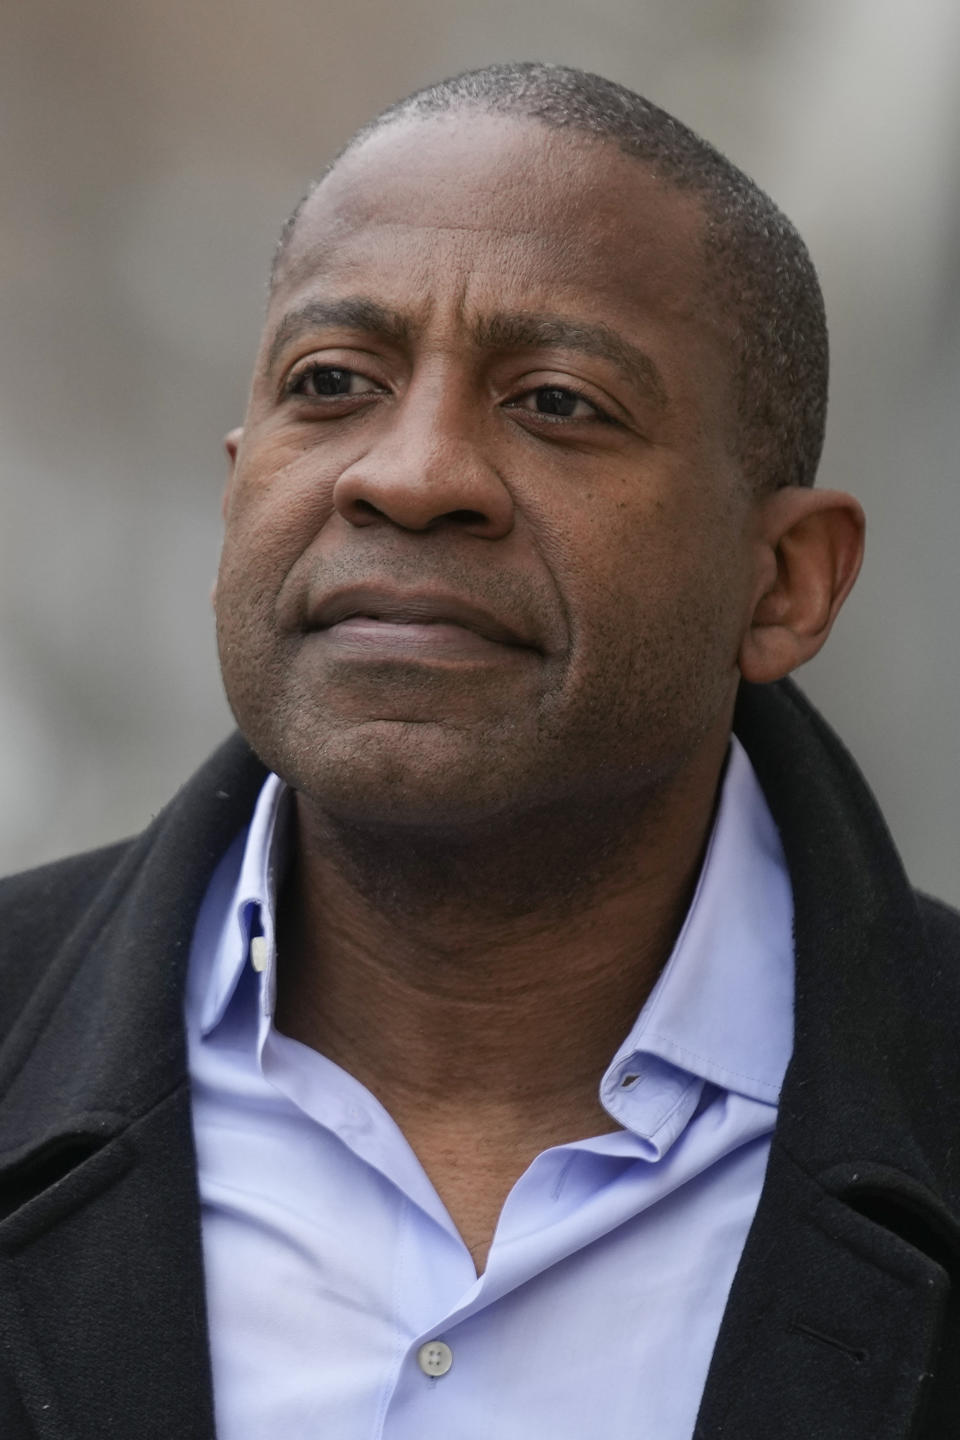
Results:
[102, 1311]
[863, 968]
[839, 1291]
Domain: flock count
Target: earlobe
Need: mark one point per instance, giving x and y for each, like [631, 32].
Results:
[811, 547]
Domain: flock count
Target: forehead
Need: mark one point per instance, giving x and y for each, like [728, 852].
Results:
[476, 200]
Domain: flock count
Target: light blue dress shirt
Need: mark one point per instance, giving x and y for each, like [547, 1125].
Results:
[337, 1286]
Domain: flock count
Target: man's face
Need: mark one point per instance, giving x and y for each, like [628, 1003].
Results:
[487, 544]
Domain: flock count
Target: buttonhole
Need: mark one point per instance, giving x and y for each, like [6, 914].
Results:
[628, 1080]
[800, 1327]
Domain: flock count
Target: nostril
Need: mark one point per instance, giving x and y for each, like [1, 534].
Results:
[474, 520]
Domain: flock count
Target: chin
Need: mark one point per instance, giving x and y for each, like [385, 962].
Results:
[391, 773]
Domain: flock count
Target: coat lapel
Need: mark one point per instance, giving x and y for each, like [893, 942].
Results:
[102, 1302]
[102, 1307]
[836, 1316]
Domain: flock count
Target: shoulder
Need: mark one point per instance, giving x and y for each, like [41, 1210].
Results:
[39, 909]
[932, 969]
[64, 909]
[57, 883]
[941, 923]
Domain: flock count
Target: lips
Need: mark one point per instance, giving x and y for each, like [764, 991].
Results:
[415, 608]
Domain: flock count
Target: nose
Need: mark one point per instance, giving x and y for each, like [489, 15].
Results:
[425, 469]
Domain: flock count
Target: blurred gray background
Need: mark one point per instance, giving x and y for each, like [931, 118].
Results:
[150, 150]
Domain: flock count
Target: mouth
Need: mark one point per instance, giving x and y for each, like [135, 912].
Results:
[422, 623]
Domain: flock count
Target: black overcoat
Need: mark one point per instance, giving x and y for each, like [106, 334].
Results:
[844, 1319]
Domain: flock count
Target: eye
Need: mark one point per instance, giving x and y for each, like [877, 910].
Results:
[556, 402]
[329, 382]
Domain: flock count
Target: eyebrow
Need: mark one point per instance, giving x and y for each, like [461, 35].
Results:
[543, 332]
[354, 312]
[520, 331]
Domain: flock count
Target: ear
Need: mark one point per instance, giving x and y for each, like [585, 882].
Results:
[811, 548]
[231, 443]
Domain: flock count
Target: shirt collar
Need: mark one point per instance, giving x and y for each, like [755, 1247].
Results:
[721, 1010]
[249, 906]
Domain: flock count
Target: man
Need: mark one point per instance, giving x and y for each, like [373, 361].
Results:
[430, 1067]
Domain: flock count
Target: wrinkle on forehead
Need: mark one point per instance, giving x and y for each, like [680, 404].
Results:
[525, 269]
[345, 246]
[501, 177]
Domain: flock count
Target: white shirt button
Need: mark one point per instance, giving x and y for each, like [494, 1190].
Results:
[259, 952]
[434, 1358]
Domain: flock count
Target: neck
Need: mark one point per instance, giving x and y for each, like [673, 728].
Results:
[507, 964]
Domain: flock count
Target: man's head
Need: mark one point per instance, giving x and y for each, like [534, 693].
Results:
[497, 538]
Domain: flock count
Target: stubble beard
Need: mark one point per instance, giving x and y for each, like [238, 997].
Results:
[510, 815]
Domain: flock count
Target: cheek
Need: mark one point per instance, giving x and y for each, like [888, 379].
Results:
[653, 591]
[279, 503]
[621, 553]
